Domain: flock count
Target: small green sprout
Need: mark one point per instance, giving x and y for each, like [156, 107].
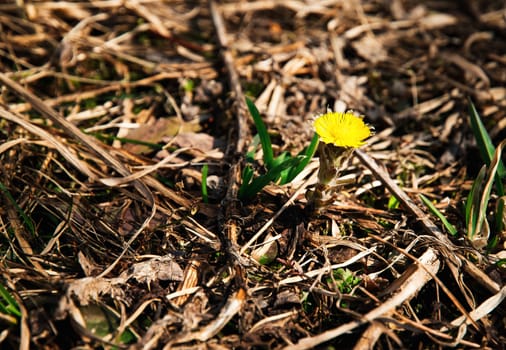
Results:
[188, 85]
[435, 211]
[480, 192]
[344, 279]
[485, 145]
[478, 229]
[205, 197]
[393, 203]
[281, 169]
[8, 306]
[493, 172]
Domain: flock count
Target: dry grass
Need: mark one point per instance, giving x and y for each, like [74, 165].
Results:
[109, 110]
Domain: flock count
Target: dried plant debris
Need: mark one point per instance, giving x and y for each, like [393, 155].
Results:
[125, 137]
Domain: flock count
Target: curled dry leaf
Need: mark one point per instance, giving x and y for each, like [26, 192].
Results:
[155, 131]
[160, 268]
[92, 288]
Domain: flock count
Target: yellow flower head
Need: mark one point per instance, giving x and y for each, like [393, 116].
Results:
[342, 129]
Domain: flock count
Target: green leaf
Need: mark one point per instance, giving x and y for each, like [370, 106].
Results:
[284, 176]
[188, 85]
[393, 203]
[485, 145]
[305, 158]
[265, 139]
[247, 175]
[280, 159]
[473, 202]
[10, 306]
[249, 190]
[205, 197]
[486, 190]
[283, 169]
[453, 231]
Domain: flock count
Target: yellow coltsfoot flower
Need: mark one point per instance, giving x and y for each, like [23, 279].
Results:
[342, 129]
[340, 134]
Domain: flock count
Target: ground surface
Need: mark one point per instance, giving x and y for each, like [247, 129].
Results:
[110, 110]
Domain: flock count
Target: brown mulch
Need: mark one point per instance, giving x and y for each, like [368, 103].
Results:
[109, 111]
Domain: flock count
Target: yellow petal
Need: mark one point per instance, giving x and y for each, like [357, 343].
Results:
[342, 129]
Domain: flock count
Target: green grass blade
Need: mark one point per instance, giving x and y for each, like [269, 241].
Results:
[265, 139]
[487, 188]
[306, 157]
[11, 305]
[205, 197]
[247, 176]
[393, 203]
[485, 145]
[451, 229]
[473, 202]
[282, 158]
[248, 191]
[479, 197]
[284, 177]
